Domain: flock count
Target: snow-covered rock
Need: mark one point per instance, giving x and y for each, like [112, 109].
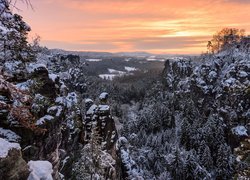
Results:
[9, 135]
[6, 146]
[40, 170]
[103, 95]
[34, 66]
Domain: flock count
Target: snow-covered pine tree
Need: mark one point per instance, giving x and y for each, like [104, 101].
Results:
[225, 162]
[13, 35]
[204, 154]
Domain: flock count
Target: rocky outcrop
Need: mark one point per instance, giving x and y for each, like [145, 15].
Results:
[99, 156]
[15, 71]
[174, 71]
[42, 83]
[50, 116]
[29, 110]
[218, 85]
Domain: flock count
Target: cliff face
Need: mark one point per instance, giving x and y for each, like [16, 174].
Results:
[31, 114]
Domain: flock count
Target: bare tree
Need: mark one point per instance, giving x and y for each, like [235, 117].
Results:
[225, 38]
[13, 3]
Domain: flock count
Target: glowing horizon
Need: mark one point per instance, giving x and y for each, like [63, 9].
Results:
[171, 27]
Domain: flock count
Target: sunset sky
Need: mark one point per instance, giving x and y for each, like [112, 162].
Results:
[156, 26]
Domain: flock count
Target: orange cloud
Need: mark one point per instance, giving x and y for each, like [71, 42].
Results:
[180, 26]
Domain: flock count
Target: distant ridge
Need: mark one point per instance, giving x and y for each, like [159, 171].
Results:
[97, 54]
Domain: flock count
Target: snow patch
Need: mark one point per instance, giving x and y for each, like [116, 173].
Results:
[58, 110]
[129, 69]
[88, 100]
[243, 74]
[212, 74]
[24, 86]
[103, 95]
[91, 109]
[53, 77]
[229, 82]
[11, 66]
[43, 119]
[103, 107]
[71, 99]
[40, 170]
[127, 59]
[240, 131]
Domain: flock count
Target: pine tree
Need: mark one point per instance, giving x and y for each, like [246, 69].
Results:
[205, 157]
[224, 162]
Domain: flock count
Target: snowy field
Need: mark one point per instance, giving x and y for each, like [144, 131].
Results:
[130, 68]
[113, 71]
[153, 58]
[93, 60]
[108, 76]
[116, 73]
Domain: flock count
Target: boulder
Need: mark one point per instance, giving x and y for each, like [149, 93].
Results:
[12, 165]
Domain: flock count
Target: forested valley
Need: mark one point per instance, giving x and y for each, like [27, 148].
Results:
[90, 115]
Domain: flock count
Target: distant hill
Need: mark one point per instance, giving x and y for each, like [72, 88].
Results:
[82, 53]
